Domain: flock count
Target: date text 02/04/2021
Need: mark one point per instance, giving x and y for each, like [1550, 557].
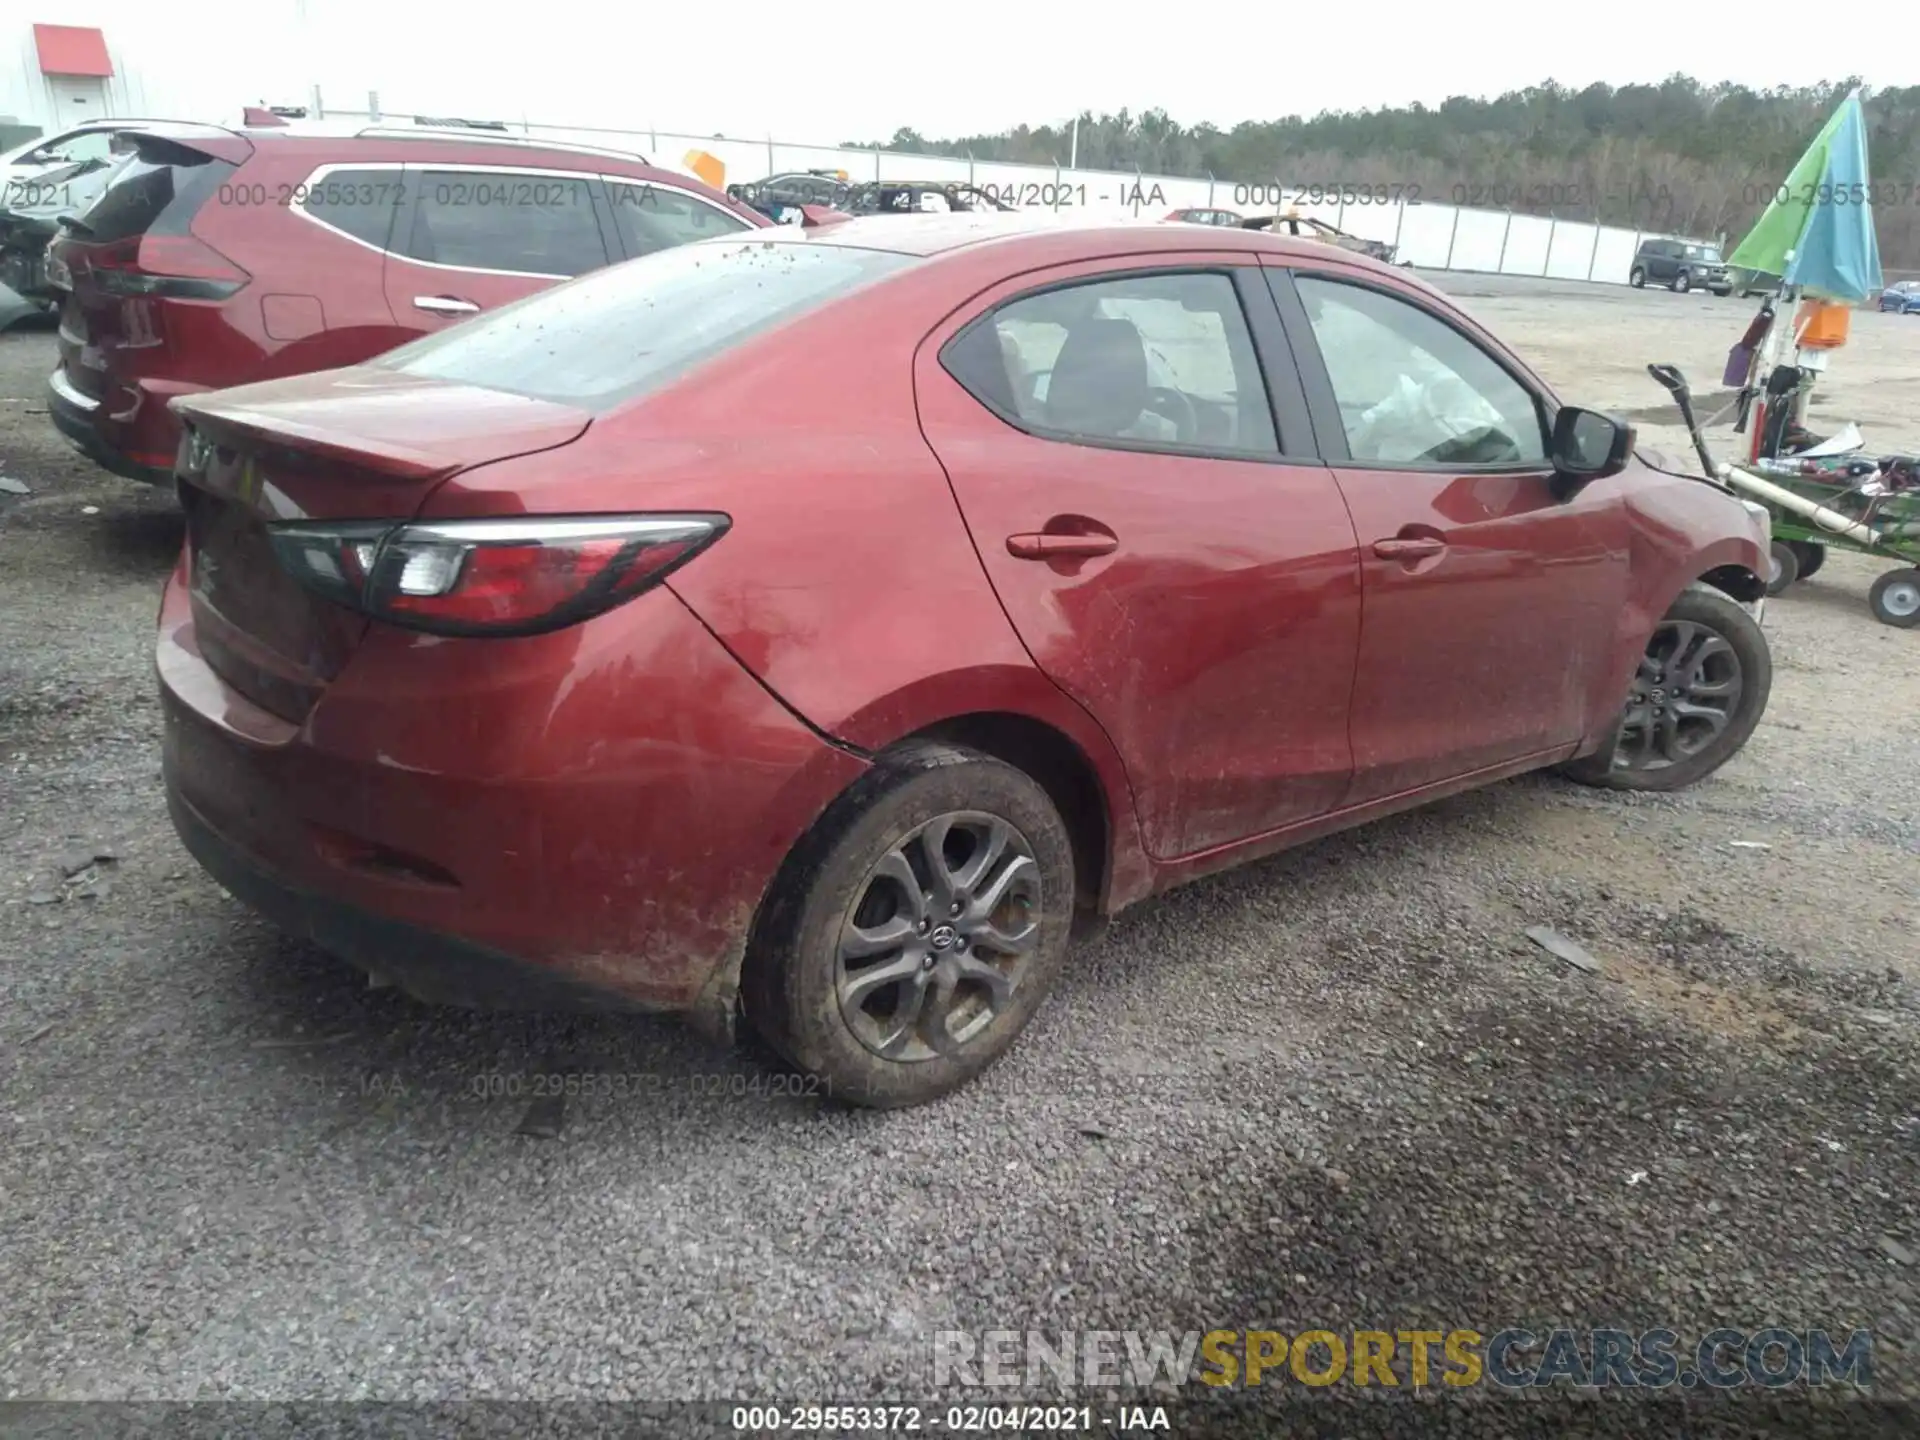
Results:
[1058, 195]
[958, 1419]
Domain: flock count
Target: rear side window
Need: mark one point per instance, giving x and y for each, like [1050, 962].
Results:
[156, 193]
[1147, 360]
[360, 203]
[651, 217]
[612, 336]
[509, 220]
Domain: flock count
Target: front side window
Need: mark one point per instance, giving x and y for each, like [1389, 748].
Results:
[1152, 359]
[628, 330]
[511, 220]
[1413, 390]
[652, 217]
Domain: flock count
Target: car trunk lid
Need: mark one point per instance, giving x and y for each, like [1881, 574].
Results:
[363, 444]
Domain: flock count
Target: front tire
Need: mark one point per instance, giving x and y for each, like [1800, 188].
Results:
[1701, 688]
[1682, 283]
[916, 930]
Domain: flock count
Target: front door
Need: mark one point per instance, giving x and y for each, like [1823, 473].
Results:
[1489, 603]
[472, 238]
[1163, 554]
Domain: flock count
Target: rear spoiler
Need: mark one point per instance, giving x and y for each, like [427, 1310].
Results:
[167, 144]
[221, 422]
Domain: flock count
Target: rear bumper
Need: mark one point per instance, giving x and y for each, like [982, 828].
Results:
[587, 818]
[431, 966]
[76, 417]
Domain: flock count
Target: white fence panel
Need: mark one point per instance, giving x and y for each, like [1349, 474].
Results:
[1614, 258]
[1479, 240]
[1570, 250]
[1426, 236]
[1526, 247]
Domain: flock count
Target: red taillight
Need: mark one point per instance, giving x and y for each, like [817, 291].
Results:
[176, 267]
[491, 577]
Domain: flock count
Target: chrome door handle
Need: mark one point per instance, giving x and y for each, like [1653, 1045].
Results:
[445, 305]
[1413, 547]
[1059, 547]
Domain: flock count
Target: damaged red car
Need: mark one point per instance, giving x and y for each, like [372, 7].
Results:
[818, 627]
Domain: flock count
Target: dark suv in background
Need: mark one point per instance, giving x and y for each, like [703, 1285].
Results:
[1680, 265]
[221, 256]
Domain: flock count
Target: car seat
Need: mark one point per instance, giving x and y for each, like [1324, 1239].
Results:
[1099, 380]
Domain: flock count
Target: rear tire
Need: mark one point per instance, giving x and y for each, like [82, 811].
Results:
[1895, 599]
[1701, 689]
[1786, 567]
[1637, 277]
[869, 966]
[1810, 554]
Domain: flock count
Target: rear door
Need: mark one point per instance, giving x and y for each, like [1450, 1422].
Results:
[1490, 605]
[473, 237]
[1172, 558]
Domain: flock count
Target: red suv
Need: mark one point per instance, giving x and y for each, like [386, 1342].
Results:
[223, 256]
[905, 591]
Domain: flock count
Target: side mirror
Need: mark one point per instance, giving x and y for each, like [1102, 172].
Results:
[1587, 446]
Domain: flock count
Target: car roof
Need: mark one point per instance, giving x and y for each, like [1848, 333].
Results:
[443, 141]
[1059, 238]
[423, 144]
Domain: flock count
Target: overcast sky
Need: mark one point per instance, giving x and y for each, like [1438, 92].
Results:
[834, 70]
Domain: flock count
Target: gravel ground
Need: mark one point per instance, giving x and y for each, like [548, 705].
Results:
[1333, 1090]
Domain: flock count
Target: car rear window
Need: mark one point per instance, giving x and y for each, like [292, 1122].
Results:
[156, 193]
[611, 336]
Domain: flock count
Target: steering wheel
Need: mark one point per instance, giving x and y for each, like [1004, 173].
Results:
[1174, 404]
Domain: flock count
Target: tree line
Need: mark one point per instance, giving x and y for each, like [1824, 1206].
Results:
[1679, 157]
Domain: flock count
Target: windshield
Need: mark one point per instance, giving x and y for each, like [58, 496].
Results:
[615, 334]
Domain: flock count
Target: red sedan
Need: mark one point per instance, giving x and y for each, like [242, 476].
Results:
[819, 626]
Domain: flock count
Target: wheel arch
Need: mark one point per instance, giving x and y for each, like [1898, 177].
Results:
[1026, 719]
[1060, 767]
[1734, 580]
[1727, 565]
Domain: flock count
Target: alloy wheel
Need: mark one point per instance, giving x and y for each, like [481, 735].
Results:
[1686, 693]
[936, 939]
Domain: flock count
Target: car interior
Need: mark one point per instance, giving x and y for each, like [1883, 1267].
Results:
[1125, 362]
